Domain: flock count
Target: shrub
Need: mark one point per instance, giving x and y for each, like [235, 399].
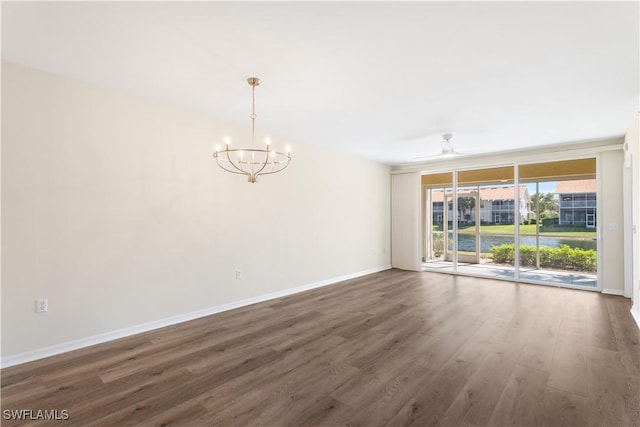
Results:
[528, 255]
[503, 254]
[438, 243]
[562, 258]
[547, 214]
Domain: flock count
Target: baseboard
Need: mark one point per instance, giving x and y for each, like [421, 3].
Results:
[53, 350]
[635, 315]
[619, 292]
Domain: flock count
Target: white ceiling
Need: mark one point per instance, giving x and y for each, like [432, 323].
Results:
[380, 80]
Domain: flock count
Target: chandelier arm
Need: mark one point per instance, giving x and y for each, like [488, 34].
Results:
[264, 164]
[227, 169]
[242, 171]
[278, 170]
[231, 170]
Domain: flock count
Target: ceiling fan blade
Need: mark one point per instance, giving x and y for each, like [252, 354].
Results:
[432, 156]
[447, 150]
[443, 155]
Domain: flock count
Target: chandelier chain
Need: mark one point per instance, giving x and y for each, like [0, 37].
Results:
[253, 114]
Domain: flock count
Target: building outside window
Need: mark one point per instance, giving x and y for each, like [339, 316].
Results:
[577, 203]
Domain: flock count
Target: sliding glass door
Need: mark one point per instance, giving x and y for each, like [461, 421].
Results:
[559, 243]
[467, 210]
[438, 248]
[542, 229]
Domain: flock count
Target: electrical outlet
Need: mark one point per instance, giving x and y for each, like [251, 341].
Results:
[42, 305]
[238, 274]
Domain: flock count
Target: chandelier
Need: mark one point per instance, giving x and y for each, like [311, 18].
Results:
[252, 161]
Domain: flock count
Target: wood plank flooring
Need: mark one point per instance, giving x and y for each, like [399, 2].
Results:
[394, 348]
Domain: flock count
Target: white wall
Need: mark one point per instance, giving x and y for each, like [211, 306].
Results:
[114, 209]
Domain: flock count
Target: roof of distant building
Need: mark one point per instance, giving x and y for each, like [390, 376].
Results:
[492, 193]
[576, 186]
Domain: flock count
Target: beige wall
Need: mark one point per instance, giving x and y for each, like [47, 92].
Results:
[611, 222]
[406, 221]
[114, 209]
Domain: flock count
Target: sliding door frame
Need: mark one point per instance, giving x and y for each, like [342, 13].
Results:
[516, 212]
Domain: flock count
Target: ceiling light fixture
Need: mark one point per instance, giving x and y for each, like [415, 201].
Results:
[252, 161]
[447, 146]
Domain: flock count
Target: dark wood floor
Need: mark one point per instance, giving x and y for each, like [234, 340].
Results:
[394, 348]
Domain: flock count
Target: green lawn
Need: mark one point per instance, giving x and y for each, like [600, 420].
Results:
[509, 229]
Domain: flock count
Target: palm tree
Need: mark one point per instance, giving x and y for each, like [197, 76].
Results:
[465, 204]
[547, 203]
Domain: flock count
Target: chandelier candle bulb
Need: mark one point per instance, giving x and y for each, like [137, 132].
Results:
[263, 161]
